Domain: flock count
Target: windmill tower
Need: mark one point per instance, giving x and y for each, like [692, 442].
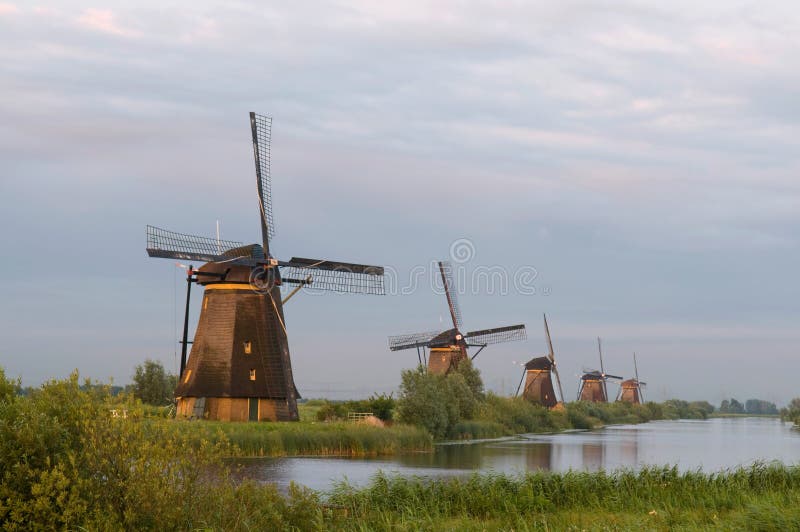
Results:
[448, 348]
[239, 367]
[630, 390]
[538, 377]
[593, 383]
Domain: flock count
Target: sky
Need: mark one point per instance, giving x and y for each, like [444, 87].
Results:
[629, 168]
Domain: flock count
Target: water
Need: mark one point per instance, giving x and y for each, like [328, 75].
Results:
[712, 445]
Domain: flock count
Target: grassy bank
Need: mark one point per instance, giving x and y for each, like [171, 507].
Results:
[758, 498]
[68, 463]
[305, 438]
[504, 416]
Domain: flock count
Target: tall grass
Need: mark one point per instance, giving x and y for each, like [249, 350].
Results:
[760, 497]
[295, 439]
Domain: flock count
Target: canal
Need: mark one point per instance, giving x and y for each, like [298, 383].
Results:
[710, 445]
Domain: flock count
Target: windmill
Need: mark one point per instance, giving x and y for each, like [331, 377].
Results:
[239, 367]
[448, 348]
[593, 382]
[630, 390]
[538, 379]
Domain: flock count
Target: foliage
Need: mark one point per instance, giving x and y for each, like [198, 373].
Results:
[8, 389]
[382, 406]
[731, 406]
[678, 409]
[760, 408]
[67, 462]
[152, 384]
[440, 402]
[792, 411]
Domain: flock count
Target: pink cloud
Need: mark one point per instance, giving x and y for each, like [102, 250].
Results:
[8, 9]
[104, 20]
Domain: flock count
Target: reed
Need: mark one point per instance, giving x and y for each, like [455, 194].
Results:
[305, 438]
[761, 497]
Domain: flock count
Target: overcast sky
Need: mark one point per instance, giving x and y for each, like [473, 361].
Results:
[638, 163]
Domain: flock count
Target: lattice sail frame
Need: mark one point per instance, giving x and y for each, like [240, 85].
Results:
[172, 245]
[411, 341]
[511, 333]
[334, 276]
[451, 291]
[262, 151]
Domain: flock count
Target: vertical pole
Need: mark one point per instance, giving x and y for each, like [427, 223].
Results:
[185, 341]
[419, 357]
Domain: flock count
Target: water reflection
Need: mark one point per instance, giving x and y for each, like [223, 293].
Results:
[711, 445]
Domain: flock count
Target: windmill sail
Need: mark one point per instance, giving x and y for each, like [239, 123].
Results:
[412, 341]
[334, 276]
[171, 245]
[553, 358]
[261, 128]
[451, 291]
[511, 333]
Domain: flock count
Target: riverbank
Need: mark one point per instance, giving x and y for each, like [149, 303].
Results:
[304, 438]
[758, 498]
[69, 462]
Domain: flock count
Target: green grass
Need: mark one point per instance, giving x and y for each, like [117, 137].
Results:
[307, 438]
[763, 497]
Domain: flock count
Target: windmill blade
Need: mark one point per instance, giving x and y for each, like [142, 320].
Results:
[171, 245]
[451, 291]
[411, 341]
[334, 276]
[602, 369]
[497, 335]
[553, 358]
[607, 376]
[261, 129]
[524, 372]
[635, 367]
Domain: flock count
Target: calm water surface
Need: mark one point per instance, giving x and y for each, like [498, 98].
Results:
[712, 445]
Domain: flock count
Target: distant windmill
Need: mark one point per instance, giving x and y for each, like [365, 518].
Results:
[538, 377]
[630, 390]
[239, 368]
[593, 382]
[448, 348]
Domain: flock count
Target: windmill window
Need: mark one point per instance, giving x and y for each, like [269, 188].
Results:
[188, 374]
[252, 374]
[248, 348]
[205, 303]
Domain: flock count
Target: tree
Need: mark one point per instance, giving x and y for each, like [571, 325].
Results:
[439, 402]
[152, 384]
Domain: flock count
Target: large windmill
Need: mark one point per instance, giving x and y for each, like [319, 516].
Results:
[630, 390]
[448, 348]
[593, 382]
[538, 377]
[239, 367]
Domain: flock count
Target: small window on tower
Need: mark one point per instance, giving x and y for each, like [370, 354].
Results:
[252, 374]
[205, 303]
[248, 348]
[188, 374]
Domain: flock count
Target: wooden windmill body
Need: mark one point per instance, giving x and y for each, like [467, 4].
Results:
[444, 350]
[630, 390]
[538, 377]
[593, 383]
[239, 368]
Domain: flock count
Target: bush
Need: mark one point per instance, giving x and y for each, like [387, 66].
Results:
[439, 402]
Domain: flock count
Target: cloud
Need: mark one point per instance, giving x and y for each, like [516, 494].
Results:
[8, 9]
[105, 21]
